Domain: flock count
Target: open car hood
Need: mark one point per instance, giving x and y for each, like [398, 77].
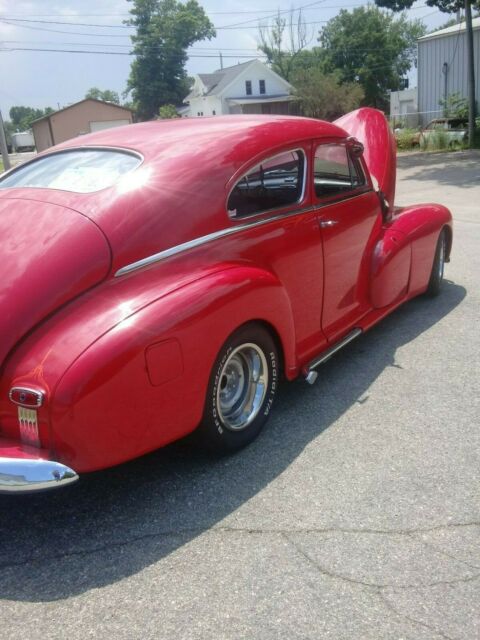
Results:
[48, 255]
[371, 128]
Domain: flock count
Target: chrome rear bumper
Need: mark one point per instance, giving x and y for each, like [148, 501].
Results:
[27, 475]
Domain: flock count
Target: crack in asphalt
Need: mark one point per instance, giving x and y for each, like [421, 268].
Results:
[374, 587]
[377, 585]
[377, 589]
[436, 548]
[257, 531]
[390, 606]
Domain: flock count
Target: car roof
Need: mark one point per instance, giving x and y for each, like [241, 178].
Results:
[245, 136]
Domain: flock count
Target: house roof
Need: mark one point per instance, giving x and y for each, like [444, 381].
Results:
[217, 81]
[75, 104]
[451, 31]
[211, 80]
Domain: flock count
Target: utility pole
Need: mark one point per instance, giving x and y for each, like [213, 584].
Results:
[3, 146]
[221, 60]
[470, 74]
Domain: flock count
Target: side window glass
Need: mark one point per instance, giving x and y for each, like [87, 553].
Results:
[335, 172]
[274, 183]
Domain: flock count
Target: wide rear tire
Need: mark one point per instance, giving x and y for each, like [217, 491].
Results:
[241, 390]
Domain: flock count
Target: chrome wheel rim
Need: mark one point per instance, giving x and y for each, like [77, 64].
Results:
[441, 258]
[242, 386]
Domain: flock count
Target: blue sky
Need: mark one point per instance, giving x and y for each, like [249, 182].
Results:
[40, 79]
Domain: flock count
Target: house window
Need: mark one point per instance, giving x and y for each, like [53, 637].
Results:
[214, 112]
[248, 87]
[275, 183]
[262, 86]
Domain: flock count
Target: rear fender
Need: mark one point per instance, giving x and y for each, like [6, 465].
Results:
[143, 383]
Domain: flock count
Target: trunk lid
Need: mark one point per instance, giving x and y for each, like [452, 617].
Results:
[49, 254]
[371, 128]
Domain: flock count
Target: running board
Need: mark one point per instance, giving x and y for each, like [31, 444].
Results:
[309, 371]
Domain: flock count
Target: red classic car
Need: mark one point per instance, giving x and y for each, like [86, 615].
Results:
[160, 278]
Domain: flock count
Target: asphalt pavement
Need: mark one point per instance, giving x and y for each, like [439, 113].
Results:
[355, 515]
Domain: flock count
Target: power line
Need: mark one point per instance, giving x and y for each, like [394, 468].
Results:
[123, 26]
[193, 49]
[120, 53]
[121, 15]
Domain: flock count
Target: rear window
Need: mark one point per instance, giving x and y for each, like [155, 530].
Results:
[79, 170]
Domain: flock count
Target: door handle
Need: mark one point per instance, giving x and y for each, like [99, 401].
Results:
[328, 223]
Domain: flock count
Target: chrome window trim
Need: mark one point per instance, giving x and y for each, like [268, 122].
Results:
[266, 211]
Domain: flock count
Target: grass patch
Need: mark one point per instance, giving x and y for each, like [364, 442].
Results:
[406, 139]
[438, 140]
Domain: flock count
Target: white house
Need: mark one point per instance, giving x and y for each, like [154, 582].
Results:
[250, 87]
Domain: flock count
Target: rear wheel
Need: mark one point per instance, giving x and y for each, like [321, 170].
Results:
[241, 390]
[436, 277]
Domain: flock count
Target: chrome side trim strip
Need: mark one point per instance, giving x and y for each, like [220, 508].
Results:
[197, 242]
[192, 244]
[25, 475]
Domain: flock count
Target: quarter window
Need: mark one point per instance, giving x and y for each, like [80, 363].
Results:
[274, 183]
[335, 172]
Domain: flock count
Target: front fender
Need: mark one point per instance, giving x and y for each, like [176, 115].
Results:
[143, 383]
[403, 256]
[421, 224]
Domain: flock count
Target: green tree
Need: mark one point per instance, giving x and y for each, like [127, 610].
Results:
[22, 117]
[107, 95]
[372, 47]
[165, 30]
[284, 42]
[322, 96]
[454, 106]
[168, 112]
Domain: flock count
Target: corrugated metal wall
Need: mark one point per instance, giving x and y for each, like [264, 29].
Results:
[432, 54]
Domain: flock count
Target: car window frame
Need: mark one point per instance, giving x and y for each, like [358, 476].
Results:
[287, 209]
[358, 162]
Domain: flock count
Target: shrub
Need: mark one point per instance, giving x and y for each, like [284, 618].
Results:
[405, 139]
[438, 140]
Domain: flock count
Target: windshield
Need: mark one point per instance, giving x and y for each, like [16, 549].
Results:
[79, 170]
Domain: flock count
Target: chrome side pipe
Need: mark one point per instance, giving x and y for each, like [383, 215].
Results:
[25, 475]
[309, 371]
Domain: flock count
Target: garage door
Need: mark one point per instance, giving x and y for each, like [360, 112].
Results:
[107, 124]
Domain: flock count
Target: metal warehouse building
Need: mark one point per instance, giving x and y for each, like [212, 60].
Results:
[442, 67]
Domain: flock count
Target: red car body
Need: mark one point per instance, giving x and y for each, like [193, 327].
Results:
[116, 303]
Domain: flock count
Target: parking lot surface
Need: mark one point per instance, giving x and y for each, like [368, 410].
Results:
[355, 515]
